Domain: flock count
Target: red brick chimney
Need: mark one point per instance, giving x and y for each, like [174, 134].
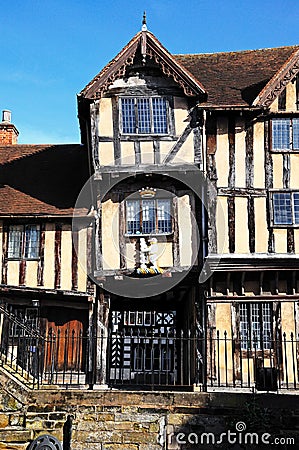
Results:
[8, 132]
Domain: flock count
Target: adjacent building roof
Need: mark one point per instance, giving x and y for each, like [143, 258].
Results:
[41, 179]
[236, 78]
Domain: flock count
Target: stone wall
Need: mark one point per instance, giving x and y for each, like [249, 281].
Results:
[121, 420]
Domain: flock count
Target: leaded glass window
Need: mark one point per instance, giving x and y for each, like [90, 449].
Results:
[285, 134]
[285, 208]
[144, 115]
[148, 216]
[255, 326]
[23, 241]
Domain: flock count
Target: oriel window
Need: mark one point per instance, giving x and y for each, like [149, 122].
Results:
[144, 115]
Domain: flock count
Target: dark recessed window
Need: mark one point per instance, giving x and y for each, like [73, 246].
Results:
[23, 241]
[255, 326]
[148, 216]
[285, 134]
[144, 115]
[285, 208]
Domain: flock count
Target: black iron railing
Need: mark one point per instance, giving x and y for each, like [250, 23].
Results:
[144, 358]
[252, 362]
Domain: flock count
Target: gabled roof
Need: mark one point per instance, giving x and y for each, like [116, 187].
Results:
[150, 47]
[237, 78]
[41, 179]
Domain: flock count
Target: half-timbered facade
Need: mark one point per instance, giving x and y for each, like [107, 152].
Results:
[176, 263]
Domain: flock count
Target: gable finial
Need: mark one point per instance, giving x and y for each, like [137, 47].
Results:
[144, 27]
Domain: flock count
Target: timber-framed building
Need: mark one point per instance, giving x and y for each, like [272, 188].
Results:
[181, 269]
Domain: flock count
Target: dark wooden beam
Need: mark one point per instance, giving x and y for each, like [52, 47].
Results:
[231, 223]
[116, 131]
[122, 231]
[286, 170]
[57, 279]
[75, 236]
[137, 152]
[41, 262]
[231, 150]
[157, 154]
[249, 162]
[290, 240]
[268, 183]
[251, 224]
[175, 242]
[22, 272]
[175, 149]
[197, 145]
[4, 254]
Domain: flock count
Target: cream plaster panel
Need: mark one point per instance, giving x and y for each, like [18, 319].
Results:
[49, 256]
[277, 170]
[223, 318]
[240, 154]
[13, 273]
[110, 235]
[224, 323]
[130, 255]
[274, 105]
[261, 229]
[180, 114]
[222, 225]
[165, 254]
[294, 163]
[291, 97]
[165, 148]
[66, 258]
[258, 155]
[222, 153]
[185, 230]
[186, 152]
[288, 326]
[31, 273]
[280, 240]
[82, 259]
[242, 233]
[127, 153]
[147, 152]
[105, 119]
[296, 239]
[106, 153]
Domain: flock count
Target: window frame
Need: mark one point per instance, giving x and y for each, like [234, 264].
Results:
[291, 135]
[24, 243]
[151, 233]
[291, 192]
[152, 132]
[269, 342]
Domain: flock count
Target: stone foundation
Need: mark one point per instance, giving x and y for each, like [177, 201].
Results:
[122, 420]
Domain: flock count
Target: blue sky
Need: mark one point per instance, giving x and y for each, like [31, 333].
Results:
[51, 49]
